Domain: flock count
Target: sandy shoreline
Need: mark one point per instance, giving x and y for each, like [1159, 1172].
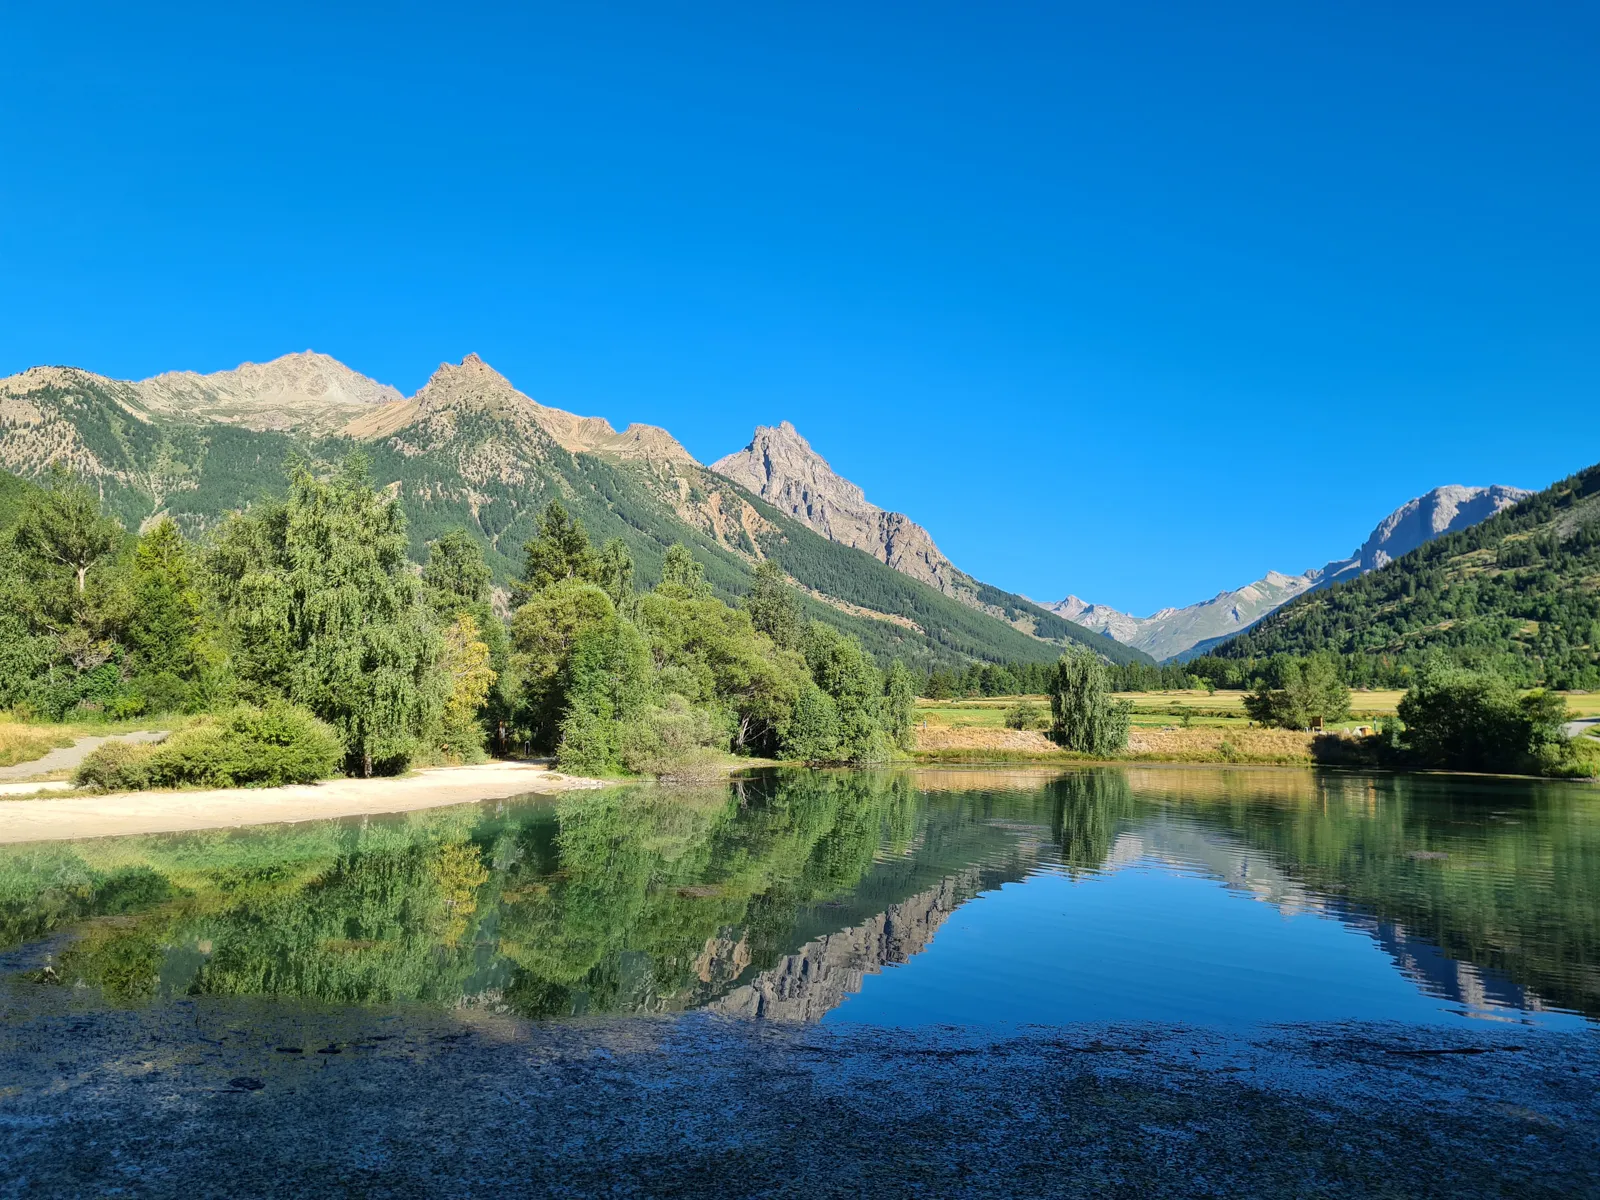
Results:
[119, 814]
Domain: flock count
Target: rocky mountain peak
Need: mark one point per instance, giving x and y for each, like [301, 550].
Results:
[1173, 631]
[780, 466]
[306, 390]
[473, 383]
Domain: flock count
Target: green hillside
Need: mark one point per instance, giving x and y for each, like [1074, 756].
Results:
[492, 475]
[1518, 594]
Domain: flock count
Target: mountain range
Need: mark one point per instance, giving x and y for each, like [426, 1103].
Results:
[470, 450]
[1517, 593]
[1195, 628]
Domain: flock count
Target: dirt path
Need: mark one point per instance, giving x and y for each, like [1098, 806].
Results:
[171, 812]
[65, 758]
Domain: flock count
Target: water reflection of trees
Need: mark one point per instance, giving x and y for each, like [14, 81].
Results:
[609, 899]
[653, 899]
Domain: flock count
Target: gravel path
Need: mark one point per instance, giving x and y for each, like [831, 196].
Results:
[65, 758]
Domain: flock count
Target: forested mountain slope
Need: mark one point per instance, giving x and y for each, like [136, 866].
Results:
[470, 451]
[1519, 593]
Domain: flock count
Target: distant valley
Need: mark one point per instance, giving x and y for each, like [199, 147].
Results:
[1195, 628]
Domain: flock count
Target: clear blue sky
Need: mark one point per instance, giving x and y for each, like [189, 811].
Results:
[1134, 301]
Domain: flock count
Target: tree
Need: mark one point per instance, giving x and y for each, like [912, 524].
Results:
[842, 669]
[464, 662]
[1307, 690]
[61, 529]
[712, 655]
[899, 696]
[607, 686]
[614, 573]
[456, 574]
[774, 607]
[1475, 721]
[681, 572]
[1085, 717]
[559, 552]
[544, 633]
[458, 583]
[813, 734]
[167, 631]
[323, 608]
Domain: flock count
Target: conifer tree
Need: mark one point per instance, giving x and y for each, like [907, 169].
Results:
[558, 552]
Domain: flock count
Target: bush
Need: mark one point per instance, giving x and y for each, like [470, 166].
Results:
[115, 767]
[244, 747]
[1024, 714]
[675, 741]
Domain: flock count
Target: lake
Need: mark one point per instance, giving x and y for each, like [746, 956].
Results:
[1218, 898]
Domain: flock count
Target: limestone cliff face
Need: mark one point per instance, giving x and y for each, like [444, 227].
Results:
[781, 467]
[1172, 631]
[816, 978]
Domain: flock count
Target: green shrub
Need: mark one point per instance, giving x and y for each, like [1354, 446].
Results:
[243, 747]
[249, 747]
[115, 767]
[1024, 714]
[674, 741]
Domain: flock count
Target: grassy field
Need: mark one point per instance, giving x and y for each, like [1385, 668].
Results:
[22, 742]
[1162, 723]
[1151, 710]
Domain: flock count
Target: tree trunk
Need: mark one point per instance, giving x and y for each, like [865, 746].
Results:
[82, 571]
[366, 764]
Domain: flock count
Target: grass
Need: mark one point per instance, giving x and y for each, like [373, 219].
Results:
[20, 743]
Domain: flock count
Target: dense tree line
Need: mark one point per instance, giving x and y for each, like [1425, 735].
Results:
[1035, 678]
[311, 600]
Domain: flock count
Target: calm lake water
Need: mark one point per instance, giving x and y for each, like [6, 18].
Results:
[1206, 896]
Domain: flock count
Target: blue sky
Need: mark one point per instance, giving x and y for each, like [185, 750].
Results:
[1133, 301]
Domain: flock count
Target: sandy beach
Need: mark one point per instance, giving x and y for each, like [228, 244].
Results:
[112, 815]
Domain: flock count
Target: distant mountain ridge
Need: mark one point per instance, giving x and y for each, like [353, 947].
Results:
[1517, 593]
[470, 450]
[1194, 628]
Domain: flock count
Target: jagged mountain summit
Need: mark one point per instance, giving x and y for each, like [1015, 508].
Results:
[1174, 632]
[781, 467]
[469, 450]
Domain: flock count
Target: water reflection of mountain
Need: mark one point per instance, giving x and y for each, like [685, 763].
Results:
[775, 897]
[1180, 842]
[805, 985]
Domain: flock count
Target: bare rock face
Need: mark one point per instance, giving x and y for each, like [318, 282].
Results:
[473, 385]
[781, 467]
[1172, 631]
[298, 391]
